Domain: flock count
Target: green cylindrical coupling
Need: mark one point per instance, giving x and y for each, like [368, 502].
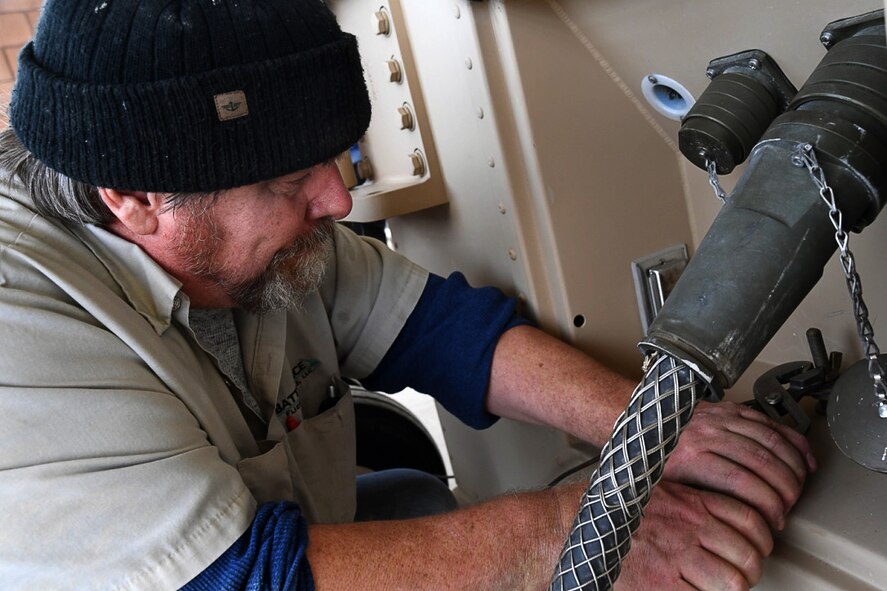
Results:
[727, 121]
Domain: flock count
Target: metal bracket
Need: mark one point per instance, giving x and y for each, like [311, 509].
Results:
[775, 401]
[837, 31]
[756, 64]
[654, 277]
[778, 391]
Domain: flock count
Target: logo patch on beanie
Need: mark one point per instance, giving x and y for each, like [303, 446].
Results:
[231, 105]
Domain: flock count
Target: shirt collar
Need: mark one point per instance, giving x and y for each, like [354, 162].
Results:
[152, 292]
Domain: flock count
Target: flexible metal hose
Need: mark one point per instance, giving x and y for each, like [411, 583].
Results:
[631, 464]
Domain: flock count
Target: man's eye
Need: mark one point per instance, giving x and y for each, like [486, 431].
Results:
[295, 183]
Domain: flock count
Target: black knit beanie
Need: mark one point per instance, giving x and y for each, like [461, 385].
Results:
[187, 95]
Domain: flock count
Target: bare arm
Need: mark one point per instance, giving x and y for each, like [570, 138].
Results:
[688, 537]
[509, 543]
[726, 447]
[539, 379]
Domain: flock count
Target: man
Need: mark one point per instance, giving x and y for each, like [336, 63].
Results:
[179, 312]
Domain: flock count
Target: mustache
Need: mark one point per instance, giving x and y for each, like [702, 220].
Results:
[293, 272]
[317, 239]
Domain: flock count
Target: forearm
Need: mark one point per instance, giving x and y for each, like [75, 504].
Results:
[509, 543]
[726, 447]
[539, 379]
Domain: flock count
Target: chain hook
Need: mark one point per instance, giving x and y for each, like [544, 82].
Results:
[711, 167]
[805, 156]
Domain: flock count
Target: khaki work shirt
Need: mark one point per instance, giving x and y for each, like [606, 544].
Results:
[127, 462]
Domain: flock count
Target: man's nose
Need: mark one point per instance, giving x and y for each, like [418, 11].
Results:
[332, 196]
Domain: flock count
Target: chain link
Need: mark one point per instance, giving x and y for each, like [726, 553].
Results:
[712, 169]
[805, 156]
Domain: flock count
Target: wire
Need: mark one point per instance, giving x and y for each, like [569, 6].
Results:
[593, 460]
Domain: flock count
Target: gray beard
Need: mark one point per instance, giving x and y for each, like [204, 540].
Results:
[293, 273]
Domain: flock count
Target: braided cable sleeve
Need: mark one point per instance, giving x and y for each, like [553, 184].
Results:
[631, 464]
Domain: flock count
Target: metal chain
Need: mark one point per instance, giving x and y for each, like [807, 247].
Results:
[712, 169]
[805, 156]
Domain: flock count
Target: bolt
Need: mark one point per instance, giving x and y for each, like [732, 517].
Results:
[882, 410]
[394, 72]
[653, 79]
[711, 73]
[773, 398]
[417, 162]
[827, 38]
[797, 157]
[381, 22]
[754, 63]
[406, 117]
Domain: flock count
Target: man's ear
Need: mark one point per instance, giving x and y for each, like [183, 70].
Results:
[137, 211]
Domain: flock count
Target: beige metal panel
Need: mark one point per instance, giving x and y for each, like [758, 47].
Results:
[406, 174]
[532, 135]
[478, 231]
[475, 232]
[608, 188]
[592, 180]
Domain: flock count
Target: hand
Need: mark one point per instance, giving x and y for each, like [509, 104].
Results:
[693, 539]
[740, 452]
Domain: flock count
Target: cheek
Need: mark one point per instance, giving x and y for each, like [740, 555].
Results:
[257, 243]
[255, 229]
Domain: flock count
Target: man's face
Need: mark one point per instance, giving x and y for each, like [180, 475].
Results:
[263, 246]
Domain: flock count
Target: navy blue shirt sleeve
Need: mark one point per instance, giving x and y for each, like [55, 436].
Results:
[269, 555]
[445, 349]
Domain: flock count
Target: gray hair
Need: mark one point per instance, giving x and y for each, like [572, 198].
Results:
[58, 196]
[54, 194]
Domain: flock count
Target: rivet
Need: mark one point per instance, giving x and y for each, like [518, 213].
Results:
[394, 72]
[512, 254]
[417, 162]
[754, 64]
[381, 23]
[502, 209]
[491, 162]
[407, 122]
[773, 398]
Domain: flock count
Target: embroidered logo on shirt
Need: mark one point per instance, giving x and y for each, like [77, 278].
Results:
[291, 404]
[231, 105]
